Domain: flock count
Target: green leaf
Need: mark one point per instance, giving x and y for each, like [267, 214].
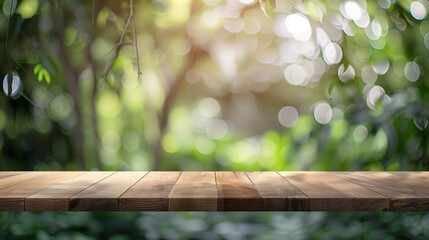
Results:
[47, 77]
[40, 76]
[268, 6]
[37, 68]
[42, 73]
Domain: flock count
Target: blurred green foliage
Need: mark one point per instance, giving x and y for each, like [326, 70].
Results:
[214, 85]
[214, 226]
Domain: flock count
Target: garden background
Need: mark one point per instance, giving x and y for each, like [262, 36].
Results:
[228, 85]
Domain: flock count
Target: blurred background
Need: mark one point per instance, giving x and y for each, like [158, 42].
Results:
[232, 85]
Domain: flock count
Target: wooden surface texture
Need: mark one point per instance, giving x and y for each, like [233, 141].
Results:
[214, 191]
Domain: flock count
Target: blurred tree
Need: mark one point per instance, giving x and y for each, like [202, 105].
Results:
[214, 84]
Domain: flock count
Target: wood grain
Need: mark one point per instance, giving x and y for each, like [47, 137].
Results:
[194, 191]
[104, 195]
[8, 174]
[278, 194]
[150, 193]
[56, 197]
[363, 199]
[17, 179]
[322, 196]
[405, 193]
[424, 176]
[12, 198]
[214, 191]
[237, 193]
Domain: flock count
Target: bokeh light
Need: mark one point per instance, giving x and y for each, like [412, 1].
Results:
[322, 113]
[28, 8]
[332, 53]
[412, 71]
[346, 74]
[248, 2]
[352, 10]
[375, 94]
[111, 142]
[205, 145]
[360, 133]
[216, 129]
[288, 116]
[299, 27]
[418, 10]
[61, 107]
[12, 85]
[369, 75]
[209, 107]
[381, 67]
[295, 74]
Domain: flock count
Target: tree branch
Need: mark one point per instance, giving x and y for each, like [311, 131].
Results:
[120, 44]
[164, 114]
[73, 81]
[136, 46]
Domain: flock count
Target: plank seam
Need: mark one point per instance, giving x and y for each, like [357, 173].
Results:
[401, 190]
[353, 183]
[117, 207]
[147, 172]
[217, 192]
[27, 180]
[357, 183]
[294, 185]
[31, 179]
[308, 197]
[69, 198]
[256, 189]
[55, 184]
[249, 178]
[253, 184]
[171, 190]
[48, 187]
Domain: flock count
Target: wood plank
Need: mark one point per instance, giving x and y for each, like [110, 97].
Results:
[20, 178]
[406, 194]
[194, 191]
[414, 182]
[363, 199]
[8, 174]
[237, 193]
[56, 197]
[104, 195]
[150, 193]
[278, 194]
[214, 191]
[322, 197]
[12, 198]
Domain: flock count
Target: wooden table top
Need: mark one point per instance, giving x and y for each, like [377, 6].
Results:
[214, 191]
